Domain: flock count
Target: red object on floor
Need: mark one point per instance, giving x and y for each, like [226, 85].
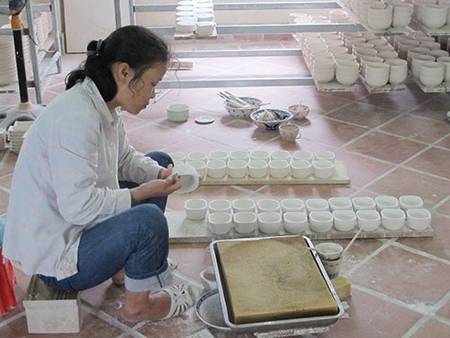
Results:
[7, 296]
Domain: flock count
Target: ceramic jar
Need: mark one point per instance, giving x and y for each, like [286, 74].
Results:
[377, 74]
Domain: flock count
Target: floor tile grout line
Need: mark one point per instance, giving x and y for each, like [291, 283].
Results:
[370, 256]
[441, 203]
[12, 319]
[442, 215]
[403, 166]
[421, 253]
[110, 320]
[187, 279]
[417, 326]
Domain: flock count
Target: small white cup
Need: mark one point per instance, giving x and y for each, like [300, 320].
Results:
[219, 205]
[316, 204]
[200, 166]
[295, 222]
[258, 168]
[178, 156]
[368, 220]
[292, 205]
[197, 156]
[220, 223]
[219, 155]
[281, 155]
[344, 220]
[196, 209]
[301, 168]
[410, 202]
[325, 155]
[279, 168]
[323, 168]
[418, 219]
[393, 219]
[239, 155]
[237, 168]
[260, 155]
[321, 221]
[363, 203]
[245, 222]
[216, 168]
[303, 155]
[340, 203]
[269, 222]
[268, 205]
[243, 205]
[386, 202]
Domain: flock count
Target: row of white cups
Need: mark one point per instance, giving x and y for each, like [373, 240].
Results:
[259, 164]
[293, 215]
[195, 16]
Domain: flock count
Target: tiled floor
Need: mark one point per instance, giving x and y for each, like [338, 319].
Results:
[391, 143]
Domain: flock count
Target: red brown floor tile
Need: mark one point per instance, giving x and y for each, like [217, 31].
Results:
[365, 115]
[433, 328]
[398, 102]
[444, 143]
[434, 161]
[435, 108]
[407, 182]
[417, 128]
[405, 276]
[444, 311]
[444, 208]
[372, 317]
[385, 147]
[191, 258]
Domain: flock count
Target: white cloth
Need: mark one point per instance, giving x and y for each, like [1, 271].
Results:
[66, 179]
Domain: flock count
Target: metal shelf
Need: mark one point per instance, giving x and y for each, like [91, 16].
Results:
[237, 52]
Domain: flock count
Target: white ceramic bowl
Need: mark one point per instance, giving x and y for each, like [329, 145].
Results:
[268, 205]
[216, 168]
[344, 220]
[200, 166]
[245, 222]
[321, 221]
[279, 168]
[295, 222]
[220, 223]
[260, 155]
[292, 205]
[239, 155]
[363, 203]
[325, 155]
[410, 202]
[196, 209]
[219, 155]
[240, 112]
[393, 219]
[280, 155]
[258, 168]
[219, 205]
[269, 222]
[418, 219]
[368, 220]
[243, 205]
[316, 204]
[178, 112]
[301, 168]
[237, 168]
[340, 203]
[303, 155]
[323, 168]
[386, 202]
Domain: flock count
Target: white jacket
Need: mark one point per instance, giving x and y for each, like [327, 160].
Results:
[66, 180]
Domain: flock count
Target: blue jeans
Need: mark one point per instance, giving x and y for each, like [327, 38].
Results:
[136, 240]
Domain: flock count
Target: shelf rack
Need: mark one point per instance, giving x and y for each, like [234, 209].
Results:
[44, 63]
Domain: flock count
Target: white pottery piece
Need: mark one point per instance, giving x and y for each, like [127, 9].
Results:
[196, 208]
[418, 219]
[393, 219]
[295, 222]
[245, 222]
[269, 222]
[344, 220]
[368, 220]
[321, 221]
[220, 223]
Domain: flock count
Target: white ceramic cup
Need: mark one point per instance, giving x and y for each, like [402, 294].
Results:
[219, 205]
[377, 74]
[216, 168]
[243, 205]
[260, 155]
[301, 168]
[363, 203]
[418, 219]
[344, 220]
[402, 14]
[268, 205]
[431, 73]
[245, 222]
[295, 222]
[316, 204]
[434, 16]
[219, 155]
[200, 166]
[386, 202]
[393, 219]
[325, 155]
[323, 168]
[239, 155]
[292, 204]
[279, 168]
[417, 61]
[398, 71]
[410, 202]
[196, 208]
[280, 155]
[189, 177]
[258, 168]
[445, 60]
[197, 156]
[340, 203]
[269, 222]
[303, 155]
[237, 168]
[220, 223]
[321, 221]
[368, 220]
[178, 156]
[289, 132]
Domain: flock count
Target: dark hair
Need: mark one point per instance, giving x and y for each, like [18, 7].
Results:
[135, 45]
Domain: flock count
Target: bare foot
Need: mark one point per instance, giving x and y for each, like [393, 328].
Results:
[145, 306]
[119, 278]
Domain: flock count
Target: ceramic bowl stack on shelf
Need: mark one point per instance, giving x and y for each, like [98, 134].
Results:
[332, 16]
[195, 16]
[268, 216]
[432, 14]
[259, 164]
[16, 134]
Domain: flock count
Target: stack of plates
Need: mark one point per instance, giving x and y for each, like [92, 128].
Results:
[16, 134]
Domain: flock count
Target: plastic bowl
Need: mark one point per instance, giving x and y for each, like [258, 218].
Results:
[282, 116]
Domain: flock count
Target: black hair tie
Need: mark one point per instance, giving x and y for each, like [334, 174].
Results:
[98, 49]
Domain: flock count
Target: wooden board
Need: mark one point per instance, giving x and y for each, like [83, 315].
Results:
[340, 177]
[333, 86]
[183, 230]
[384, 89]
[272, 279]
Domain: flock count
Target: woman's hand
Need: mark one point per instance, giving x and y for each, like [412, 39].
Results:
[155, 188]
[166, 172]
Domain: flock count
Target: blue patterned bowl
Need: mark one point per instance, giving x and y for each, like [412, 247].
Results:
[283, 116]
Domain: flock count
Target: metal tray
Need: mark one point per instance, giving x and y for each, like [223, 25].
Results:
[304, 322]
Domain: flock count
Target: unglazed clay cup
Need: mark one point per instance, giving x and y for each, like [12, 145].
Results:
[340, 203]
[418, 219]
[220, 223]
[239, 155]
[321, 221]
[245, 223]
[216, 168]
[196, 209]
[243, 205]
[279, 168]
[292, 205]
[363, 203]
[268, 205]
[269, 222]
[325, 155]
[344, 220]
[280, 155]
[237, 168]
[258, 168]
[368, 220]
[289, 132]
[219, 155]
[197, 156]
[323, 168]
[260, 155]
[295, 222]
[410, 202]
[301, 168]
[386, 202]
[393, 219]
[303, 155]
[316, 204]
[219, 205]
